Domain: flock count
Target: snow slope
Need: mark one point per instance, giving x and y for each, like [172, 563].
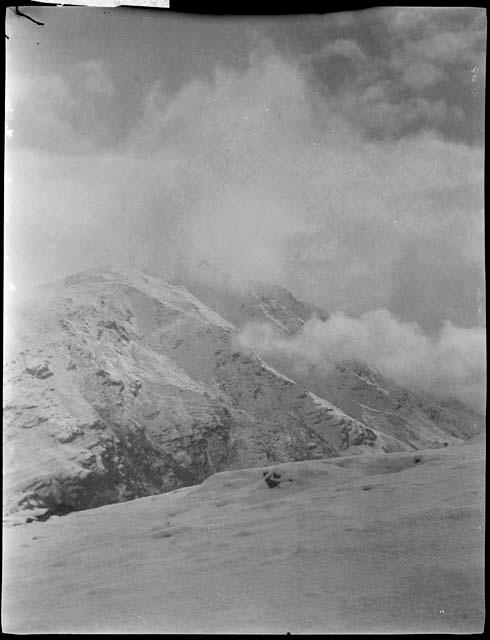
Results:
[363, 544]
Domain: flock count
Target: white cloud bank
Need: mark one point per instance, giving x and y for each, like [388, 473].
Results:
[450, 364]
[254, 171]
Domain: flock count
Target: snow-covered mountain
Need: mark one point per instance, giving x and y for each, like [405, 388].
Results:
[119, 385]
[356, 388]
[248, 301]
[366, 395]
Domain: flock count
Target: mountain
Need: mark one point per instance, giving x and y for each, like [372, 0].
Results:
[366, 395]
[119, 384]
[248, 301]
[356, 388]
[382, 544]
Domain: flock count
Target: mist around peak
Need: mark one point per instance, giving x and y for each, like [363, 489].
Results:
[450, 363]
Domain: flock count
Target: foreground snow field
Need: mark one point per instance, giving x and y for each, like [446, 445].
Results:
[384, 543]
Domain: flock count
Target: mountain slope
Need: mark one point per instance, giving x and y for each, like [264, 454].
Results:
[356, 388]
[243, 301]
[366, 395]
[364, 544]
[119, 385]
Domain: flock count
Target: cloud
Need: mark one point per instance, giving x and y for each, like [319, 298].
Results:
[344, 48]
[379, 115]
[95, 78]
[407, 19]
[449, 364]
[39, 107]
[420, 75]
[55, 111]
[434, 46]
[256, 171]
[425, 60]
[431, 54]
[449, 47]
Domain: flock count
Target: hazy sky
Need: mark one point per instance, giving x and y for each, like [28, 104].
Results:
[340, 155]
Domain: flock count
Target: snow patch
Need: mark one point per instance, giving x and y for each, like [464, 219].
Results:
[365, 406]
[369, 382]
[274, 371]
[274, 320]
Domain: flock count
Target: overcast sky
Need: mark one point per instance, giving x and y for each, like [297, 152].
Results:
[340, 155]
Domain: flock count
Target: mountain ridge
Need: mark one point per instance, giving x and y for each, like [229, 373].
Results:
[340, 381]
[121, 385]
